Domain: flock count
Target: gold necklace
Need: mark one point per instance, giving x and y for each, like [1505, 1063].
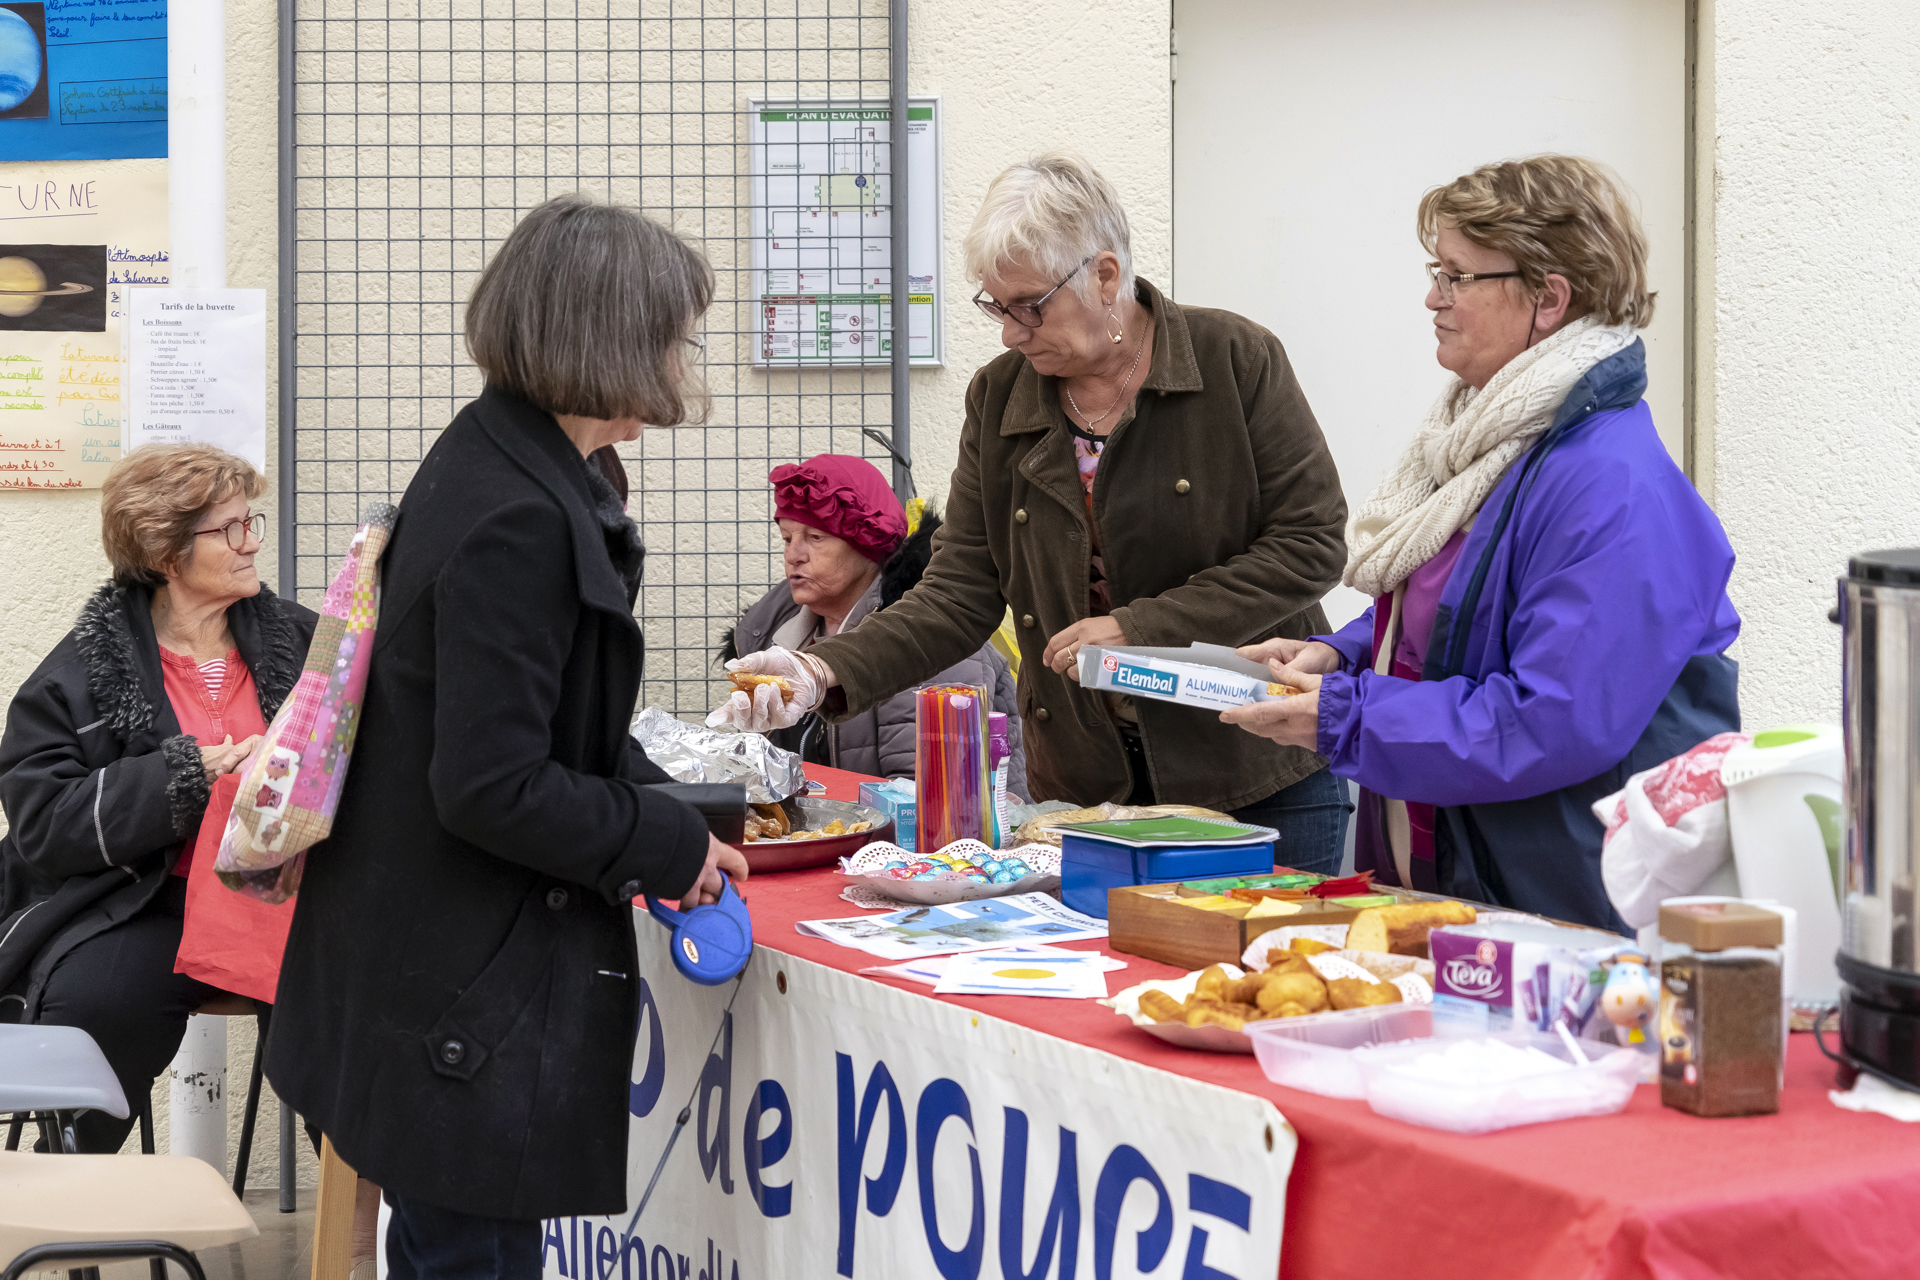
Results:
[1139, 350]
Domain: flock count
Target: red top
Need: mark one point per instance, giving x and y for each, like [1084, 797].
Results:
[210, 703]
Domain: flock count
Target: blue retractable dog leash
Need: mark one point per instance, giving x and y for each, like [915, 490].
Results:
[711, 945]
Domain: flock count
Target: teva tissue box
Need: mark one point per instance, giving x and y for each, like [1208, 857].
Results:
[895, 798]
[1202, 675]
[1501, 975]
[1091, 864]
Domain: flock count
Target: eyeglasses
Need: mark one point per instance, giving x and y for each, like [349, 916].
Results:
[1449, 282]
[1025, 314]
[238, 531]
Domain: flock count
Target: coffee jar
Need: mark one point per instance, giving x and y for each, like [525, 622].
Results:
[1720, 1008]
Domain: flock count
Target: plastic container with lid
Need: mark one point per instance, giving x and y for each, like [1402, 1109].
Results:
[1786, 816]
[1401, 1081]
[1720, 1008]
[1317, 1054]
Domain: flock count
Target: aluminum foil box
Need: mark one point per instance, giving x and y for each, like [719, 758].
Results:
[1202, 675]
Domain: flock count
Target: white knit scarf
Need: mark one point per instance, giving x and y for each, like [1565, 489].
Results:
[1466, 444]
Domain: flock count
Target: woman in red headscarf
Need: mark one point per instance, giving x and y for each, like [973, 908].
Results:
[848, 555]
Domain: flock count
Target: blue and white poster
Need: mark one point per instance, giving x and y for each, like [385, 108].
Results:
[83, 79]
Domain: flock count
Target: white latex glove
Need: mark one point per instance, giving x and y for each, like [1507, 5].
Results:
[765, 709]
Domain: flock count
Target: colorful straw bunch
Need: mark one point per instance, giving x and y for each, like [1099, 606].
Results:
[950, 765]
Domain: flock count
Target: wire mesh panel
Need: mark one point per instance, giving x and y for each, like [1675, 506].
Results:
[423, 129]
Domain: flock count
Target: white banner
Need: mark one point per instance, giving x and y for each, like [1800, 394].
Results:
[843, 1127]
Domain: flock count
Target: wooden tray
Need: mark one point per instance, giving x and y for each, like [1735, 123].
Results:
[1149, 920]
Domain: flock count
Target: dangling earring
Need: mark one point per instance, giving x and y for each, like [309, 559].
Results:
[1116, 338]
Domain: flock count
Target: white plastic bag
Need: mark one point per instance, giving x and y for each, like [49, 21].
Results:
[1667, 833]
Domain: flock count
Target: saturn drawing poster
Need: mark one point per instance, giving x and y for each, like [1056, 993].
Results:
[53, 288]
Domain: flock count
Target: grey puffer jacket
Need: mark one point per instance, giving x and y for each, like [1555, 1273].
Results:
[880, 740]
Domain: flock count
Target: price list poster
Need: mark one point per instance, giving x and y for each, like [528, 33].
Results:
[75, 236]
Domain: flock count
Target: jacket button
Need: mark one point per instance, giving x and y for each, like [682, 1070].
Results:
[1020, 516]
[630, 890]
[452, 1052]
[1026, 619]
[1042, 715]
[1181, 486]
[557, 899]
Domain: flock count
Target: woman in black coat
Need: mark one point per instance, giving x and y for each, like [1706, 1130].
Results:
[458, 1003]
[111, 746]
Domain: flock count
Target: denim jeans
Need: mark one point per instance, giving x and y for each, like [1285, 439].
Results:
[1311, 817]
[426, 1242]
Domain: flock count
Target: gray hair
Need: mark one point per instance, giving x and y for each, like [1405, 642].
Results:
[583, 310]
[1052, 213]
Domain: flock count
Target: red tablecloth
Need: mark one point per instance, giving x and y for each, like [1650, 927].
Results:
[1811, 1192]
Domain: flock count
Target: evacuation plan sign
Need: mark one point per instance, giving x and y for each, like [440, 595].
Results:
[823, 232]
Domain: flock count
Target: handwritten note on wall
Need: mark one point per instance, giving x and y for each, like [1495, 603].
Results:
[83, 79]
[73, 237]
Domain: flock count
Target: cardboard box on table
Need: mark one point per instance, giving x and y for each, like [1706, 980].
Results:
[1150, 920]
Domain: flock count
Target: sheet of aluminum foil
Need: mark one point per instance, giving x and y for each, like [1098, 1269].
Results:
[695, 753]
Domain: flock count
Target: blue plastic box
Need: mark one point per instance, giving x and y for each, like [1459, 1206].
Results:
[896, 798]
[1088, 868]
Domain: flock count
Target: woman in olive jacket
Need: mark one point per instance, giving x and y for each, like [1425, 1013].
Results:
[457, 1008]
[1131, 472]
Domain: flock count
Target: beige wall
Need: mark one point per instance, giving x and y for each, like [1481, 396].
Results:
[53, 540]
[1055, 75]
[1109, 99]
[1806, 438]
[1810, 200]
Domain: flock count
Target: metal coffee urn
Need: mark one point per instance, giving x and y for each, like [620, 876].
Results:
[1879, 958]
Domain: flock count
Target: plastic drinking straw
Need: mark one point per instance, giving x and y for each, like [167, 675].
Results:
[950, 758]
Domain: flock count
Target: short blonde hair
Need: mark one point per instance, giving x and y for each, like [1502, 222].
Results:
[154, 499]
[584, 309]
[1562, 215]
[1051, 213]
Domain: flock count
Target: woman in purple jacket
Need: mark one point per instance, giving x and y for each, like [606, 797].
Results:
[1550, 609]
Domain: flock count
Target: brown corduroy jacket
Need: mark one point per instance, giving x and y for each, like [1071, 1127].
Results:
[1220, 518]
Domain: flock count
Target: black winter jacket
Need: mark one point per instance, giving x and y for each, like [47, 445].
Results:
[99, 785]
[457, 1006]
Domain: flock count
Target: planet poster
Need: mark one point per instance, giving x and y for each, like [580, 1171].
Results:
[76, 238]
[83, 79]
[53, 288]
[23, 61]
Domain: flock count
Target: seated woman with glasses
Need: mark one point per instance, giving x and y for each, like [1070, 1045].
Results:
[165, 682]
[1132, 472]
[1551, 608]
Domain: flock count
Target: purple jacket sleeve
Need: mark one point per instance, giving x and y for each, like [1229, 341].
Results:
[1611, 594]
[1354, 641]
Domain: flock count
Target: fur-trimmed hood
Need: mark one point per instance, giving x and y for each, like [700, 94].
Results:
[265, 630]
